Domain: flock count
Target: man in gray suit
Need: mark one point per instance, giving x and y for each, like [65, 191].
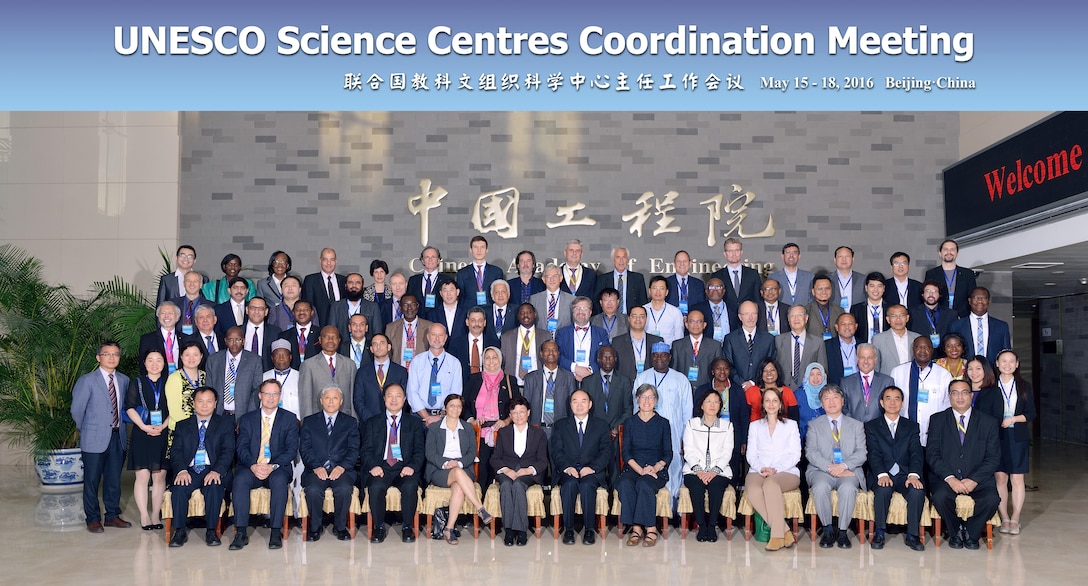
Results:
[552, 305]
[692, 354]
[835, 445]
[796, 283]
[235, 374]
[894, 345]
[329, 368]
[863, 388]
[548, 389]
[797, 348]
[97, 401]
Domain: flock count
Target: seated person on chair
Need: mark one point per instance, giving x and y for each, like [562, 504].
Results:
[392, 455]
[708, 448]
[835, 447]
[451, 449]
[201, 459]
[774, 450]
[581, 447]
[329, 446]
[520, 460]
[647, 449]
[895, 465]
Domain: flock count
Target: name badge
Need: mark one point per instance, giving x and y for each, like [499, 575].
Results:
[719, 335]
[848, 370]
[172, 367]
[395, 448]
[923, 395]
[267, 452]
[581, 357]
[156, 418]
[408, 354]
[773, 331]
[201, 458]
[280, 404]
[844, 303]
[951, 299]
[827, 335]
[549, 405]
[1009, 411]
[187, 330]
[684, 307]
[527, 363]
[481, 298]
[436, 390]
[838, 456]
[656, 333]
[724, 415]
[231, 392]
[935, 339]
[553, 324]
[639, 367]
[693, 373]
[429, 301]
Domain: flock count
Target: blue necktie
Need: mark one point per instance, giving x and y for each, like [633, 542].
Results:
[431, 397]
[200, 444]
[581, 434]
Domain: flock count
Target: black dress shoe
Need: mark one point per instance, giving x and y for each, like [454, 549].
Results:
[589, 537]
[211, 538]
[275, 541]
[877, 542]
[378, 535]
[343, 535]
[523, 538]
[914, 543]
[844, 539]
[970, 543]
[179, 538]
[407, 535]
[315, 534]
[955, 541]
[508, 537]
[568, 537]
[827, 540]
[240, 540]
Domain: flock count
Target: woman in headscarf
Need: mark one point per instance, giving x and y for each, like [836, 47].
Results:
[808, 400]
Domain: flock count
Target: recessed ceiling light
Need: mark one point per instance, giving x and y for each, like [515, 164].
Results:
[1049, 284]
[1037, 265]
[1057, 272]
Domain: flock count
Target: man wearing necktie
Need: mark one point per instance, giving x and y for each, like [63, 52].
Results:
[578, 342]
[863, 388]
[742, 283]
[548, 389]
[963, 454]
[432, 376]
[326, 368]
[576, 280]
[835, 445]
[580, 448]
[468, 346]
[201, 458]
[165, 338]
[325, 287]
[986, 335]
[329, 447]
[357, 345]
[393, 455]
[895, 465]
[553, 303]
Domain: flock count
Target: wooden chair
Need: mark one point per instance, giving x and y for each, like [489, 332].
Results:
[260, 503]
[535, 501]
[196, 509]
[437, 496]
[728, 510]
[328, 506]
[897, 515]
[392, 504]
[792, 501]
[863, 511]
[663, 498]
[601, 506]
[965, 507]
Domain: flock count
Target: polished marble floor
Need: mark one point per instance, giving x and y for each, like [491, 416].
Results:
[1049, 551]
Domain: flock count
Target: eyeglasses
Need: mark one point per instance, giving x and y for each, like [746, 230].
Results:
[109, 355]
[960, 393]
[187, 256]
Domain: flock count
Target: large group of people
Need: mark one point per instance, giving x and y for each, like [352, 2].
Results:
[575, 380]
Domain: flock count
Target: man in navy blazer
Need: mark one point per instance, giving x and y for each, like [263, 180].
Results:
[685, 290]
[97, 401]
[227, 313]
[169, 285]
[895, 465]
[264, 462]
[736, 350]
[634, 292]
[995, 332]
[460, 346]
[316, 286]
[536, 389]
[474, 279]
[579, 341]
[396, 463]
[500, 302]
[685, 360]
[304, 329]
[329, 447]
[749, 280]
[949, 274]
[201, 458]
[581, 448]
[863, 388]
[367, 394]
[426, 282]
[167, 335]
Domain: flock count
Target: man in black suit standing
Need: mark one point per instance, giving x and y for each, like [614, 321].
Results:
[267, 446]
[426, 284]
[685, 291]
[351, 304]
[610, 394]
[392, 455]
[232, 312]
[956, 282]
[304, 336]
[576, 278]
[741, 283]
[206, 333]
[963, 453]
[329, 446]
[630, 284]
[190, 299]
[499, 317]
[931, 318]
[895, 465]
[172, 285]
[900, 288]
[235, 374]
[201, 459]
[693, 354]
[373, 376]
[580, 448]
[259, 334]
[468, 348]
[324, 288]
[633, 348]
[548, 389]
[746, 345]
[474, 279]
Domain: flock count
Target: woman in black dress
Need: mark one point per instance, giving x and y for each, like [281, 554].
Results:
[1014, 407]
[145, 403]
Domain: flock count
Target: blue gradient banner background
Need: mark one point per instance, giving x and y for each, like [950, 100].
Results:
[60, 56]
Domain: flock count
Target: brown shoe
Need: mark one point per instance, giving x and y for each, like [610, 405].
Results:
[651, 538]
[788, 541]
[775, 544]
[95, 527]
[118, 522]
[635, 537]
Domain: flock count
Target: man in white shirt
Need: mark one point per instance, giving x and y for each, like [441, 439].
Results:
[288, 378]
[895, 465]
[685, 290]
[836, 451]
[772, 312]
[901, 288]
[848, 285]
[172, 285]
[925, 385]
[499, 318]
[259, 333]
[356, 345]
[870, 313]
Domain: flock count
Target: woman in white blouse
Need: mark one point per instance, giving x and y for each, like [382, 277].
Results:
[451, 449]
[774, 449]
[708, 446]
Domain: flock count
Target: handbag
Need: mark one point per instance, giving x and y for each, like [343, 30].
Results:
[440, 518]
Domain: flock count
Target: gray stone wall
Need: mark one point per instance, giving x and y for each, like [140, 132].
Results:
[1063, 396]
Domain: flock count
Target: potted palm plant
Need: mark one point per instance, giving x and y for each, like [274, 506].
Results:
[48, 339]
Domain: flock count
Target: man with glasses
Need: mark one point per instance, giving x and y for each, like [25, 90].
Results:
[773, 313]
[901, 288]
[894, 345]
[260, 334]
[171, 285]
[714, 310]
[578, 343]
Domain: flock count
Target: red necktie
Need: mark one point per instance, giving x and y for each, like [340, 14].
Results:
[474, 364]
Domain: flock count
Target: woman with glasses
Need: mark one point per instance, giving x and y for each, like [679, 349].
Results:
[279, 264]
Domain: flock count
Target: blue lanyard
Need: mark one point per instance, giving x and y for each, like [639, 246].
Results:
[607, 326]
[657, 382]
[1008, 395]
[157, 387]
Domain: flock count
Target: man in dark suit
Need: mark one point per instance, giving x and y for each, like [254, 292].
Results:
[610, 395]
[201, 458]
[986, 335]
[797, 348]
[468, 348]
[259, 334]
[171, 285]
[693, 354]
[392, 455]
[500, 318]
[474, 279]
[871, 312]
[357, 346]
[773, 314]
[863, 388]
[714, 310]
[235, 374]
[165, 338]
[97, 400]
[901, 288]
[633, 348]
[398, 285]
[578, 342]
[685, 290]
[304, 336]
[325, 287]
[963, 453]
[329, 447]
[745, 346]
[630, 284]
[822, 313]
[425, 284]
[931, 318]
[266, 447]
[548, 389]
[848, 285]
[741, 283]
[842, 353]
[576, 278]
[449, 312]
[206, 333]
[352, 303]
[375, 375]
[796, 283]
[232, 312]
[581, 447]
[956, 282]
[190, 299]
[895, 465]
